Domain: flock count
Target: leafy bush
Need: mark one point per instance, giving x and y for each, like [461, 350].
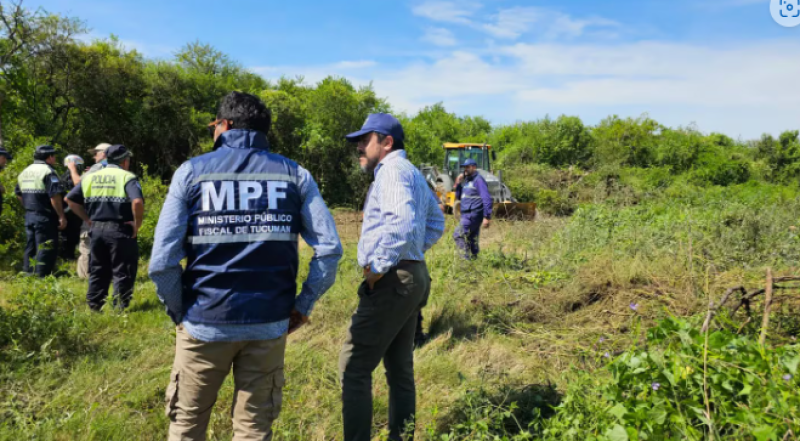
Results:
[155, 192]
[39, 320]
[561, 142]
[714, 169]
[682, 387]
[679, 385]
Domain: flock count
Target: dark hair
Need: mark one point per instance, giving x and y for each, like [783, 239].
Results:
[396, 145]
[245, 111]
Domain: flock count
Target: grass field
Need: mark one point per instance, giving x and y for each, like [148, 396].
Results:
[543, 309]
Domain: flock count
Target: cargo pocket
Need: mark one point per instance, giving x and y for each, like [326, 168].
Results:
[172, 396]
[278, 382]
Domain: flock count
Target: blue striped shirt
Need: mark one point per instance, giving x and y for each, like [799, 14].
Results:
[402, 218]
[318, 230]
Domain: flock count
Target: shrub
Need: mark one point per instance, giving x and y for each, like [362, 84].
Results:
[39, 320]
[155, 192]
[666, 390]
[561, 142]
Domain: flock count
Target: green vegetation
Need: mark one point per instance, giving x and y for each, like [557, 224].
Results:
[582, 325]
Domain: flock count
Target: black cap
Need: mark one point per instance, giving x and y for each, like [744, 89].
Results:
[4, 152]
[45, 150]
[117, 153]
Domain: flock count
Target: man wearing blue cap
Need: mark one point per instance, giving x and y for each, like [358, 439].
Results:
[476, 208]
[39, 190]
[110, 201]
[402, 220]
[4, 158]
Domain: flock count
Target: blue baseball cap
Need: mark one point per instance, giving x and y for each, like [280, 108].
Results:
[4, 152]
[469, 162]
[382, 123]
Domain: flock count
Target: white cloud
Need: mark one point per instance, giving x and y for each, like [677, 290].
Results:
[743, 90]
[513, 22]
[447, 11]
[439, 37]
[362, 64]
[508, 23]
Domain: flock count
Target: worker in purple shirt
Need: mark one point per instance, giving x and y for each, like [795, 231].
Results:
[476, 208]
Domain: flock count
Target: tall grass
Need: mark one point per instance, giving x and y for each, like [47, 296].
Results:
[529, 323]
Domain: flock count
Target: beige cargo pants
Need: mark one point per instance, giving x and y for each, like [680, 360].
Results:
[85, 251]
[198, 373]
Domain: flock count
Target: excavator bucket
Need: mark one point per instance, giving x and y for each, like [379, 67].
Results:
[514, 210]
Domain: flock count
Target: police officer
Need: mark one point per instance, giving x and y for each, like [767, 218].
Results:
[476, 208]
[99, 155]
[4, 158]
[114, 209]
[70, 236]
[39, 190]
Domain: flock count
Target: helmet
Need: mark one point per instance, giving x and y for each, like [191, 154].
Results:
[73, 158]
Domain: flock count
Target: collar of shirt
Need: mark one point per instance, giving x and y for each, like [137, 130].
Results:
[112, 166]
[242, 139]
[393, 155]
[39, 161]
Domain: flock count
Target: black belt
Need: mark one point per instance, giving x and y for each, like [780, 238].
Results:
[107, 224]
[407, 262]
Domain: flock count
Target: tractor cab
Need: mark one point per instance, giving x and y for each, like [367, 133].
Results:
[443, 182]
[457, 153]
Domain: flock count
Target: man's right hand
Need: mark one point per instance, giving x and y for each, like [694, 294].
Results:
[296, 320]
[459, 179]
[62, 223]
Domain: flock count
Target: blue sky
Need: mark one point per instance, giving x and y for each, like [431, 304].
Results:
[723, 65]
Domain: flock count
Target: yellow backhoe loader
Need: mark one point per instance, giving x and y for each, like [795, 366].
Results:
[442, 181]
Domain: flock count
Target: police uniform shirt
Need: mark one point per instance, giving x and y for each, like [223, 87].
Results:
[36, 185]
[107, 194]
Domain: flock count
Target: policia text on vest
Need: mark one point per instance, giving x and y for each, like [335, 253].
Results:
[111, 201]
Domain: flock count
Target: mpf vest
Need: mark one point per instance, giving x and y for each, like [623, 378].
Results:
[470, 196]
[35, 197]
[242, 241]
[105, 197]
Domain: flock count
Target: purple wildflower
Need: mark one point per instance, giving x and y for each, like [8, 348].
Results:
[634, 306]
[656, 386]
[787, 377]
[606, 355]
[602, 339]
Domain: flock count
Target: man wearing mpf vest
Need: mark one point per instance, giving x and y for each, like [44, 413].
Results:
[114, 209]
[235, 215]
[39, 190]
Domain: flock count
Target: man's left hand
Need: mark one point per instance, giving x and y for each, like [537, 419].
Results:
[135, 229]
[487, 223]
[371, 278]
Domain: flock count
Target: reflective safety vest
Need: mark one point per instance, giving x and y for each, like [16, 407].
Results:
[243, 226]
[470, 196]
[105, 197]
[34, 188]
